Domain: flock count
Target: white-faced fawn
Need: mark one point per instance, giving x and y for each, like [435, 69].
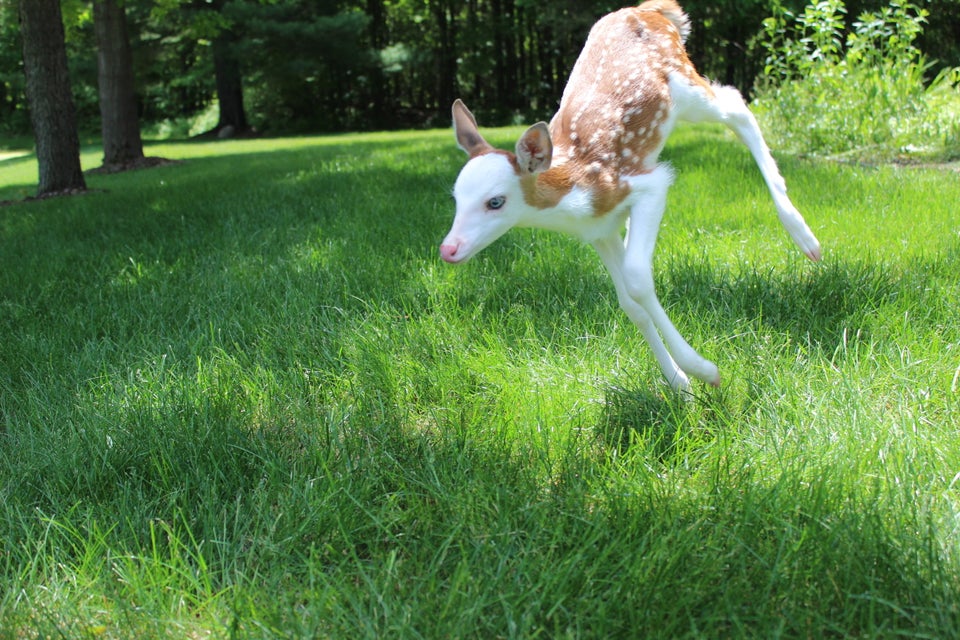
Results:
[594, 169]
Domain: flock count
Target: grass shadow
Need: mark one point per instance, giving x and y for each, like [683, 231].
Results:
[813, 306]
[637, 416]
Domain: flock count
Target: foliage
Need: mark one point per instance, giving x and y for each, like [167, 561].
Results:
[830, 90]
[13, 118]
[172, 60]
[311, 86]
[311, 65]
[243, 397]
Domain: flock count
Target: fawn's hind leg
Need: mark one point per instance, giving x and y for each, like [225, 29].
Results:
[695, 103]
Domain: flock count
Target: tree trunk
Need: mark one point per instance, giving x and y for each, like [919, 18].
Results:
[122, 145]
[445, 19]
[377, 30]
[233, 118]
[52, 112]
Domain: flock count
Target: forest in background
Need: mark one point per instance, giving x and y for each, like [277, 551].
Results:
[324, 65]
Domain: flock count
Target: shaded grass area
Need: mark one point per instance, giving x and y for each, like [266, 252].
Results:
[242, 397]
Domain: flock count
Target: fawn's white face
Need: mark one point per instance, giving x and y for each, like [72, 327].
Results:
[488, 192]
[489, 202]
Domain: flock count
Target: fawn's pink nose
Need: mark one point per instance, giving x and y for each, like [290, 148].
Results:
[448, 251]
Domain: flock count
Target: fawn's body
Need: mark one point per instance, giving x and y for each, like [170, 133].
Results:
[595, 169]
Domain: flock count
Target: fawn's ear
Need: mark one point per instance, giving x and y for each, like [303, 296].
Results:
[535, 149]
[465, 128]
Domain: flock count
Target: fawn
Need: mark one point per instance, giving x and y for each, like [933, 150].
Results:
[594, 170]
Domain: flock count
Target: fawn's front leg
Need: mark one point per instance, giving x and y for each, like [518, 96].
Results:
[645, 216]
[612, 254]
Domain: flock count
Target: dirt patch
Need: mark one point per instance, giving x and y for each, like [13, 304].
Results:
[52, 194]
[953, 165]
[136, 165]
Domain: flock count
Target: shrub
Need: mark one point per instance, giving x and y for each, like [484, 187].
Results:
[863, 92]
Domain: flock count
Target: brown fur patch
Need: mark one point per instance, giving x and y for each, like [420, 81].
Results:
[618, 98]
[616, 102]
[546, 190]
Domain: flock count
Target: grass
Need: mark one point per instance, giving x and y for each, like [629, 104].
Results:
[242, 397]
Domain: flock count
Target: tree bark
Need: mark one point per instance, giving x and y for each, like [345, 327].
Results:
[446, 22]
[226, 65]
[52, 112]
[377, 30]
[122, 144]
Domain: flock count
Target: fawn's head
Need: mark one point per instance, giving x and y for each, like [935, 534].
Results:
[489, 191]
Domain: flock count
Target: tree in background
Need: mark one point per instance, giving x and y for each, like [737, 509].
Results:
[229, 77]
[52, 112]
[307, 64]
[207, 23]
[120, 125]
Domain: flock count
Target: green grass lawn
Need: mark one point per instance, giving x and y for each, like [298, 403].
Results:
[241, 396]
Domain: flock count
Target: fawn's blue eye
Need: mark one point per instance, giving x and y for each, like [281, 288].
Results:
[496, 202]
